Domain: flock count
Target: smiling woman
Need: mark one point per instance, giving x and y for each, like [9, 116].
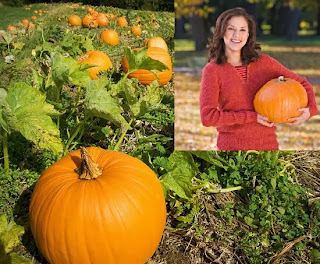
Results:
[233, 75]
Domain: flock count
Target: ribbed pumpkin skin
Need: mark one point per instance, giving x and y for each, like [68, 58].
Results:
[156, 42]
[98, 58]
[117, 218]
[280, 100]
[74, 20]
[110, 37]
[146, 77]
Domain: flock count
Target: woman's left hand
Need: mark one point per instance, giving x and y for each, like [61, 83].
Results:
[300, 119]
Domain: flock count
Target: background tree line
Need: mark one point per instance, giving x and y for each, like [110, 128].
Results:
[154, 5]
[283, 17]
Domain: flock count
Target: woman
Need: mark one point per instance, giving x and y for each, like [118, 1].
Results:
[230, 80]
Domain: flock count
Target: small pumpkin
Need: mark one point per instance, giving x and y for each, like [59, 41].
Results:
[146, 77]
[156, 42]
[89, 22]
[122, 21]
[280, 99]
[97, 206]
[11, 28]
[25, 23]
[34, 18]
[98, 58]
[74, 20]
[136, 30]
[102, 21]
[110, 37]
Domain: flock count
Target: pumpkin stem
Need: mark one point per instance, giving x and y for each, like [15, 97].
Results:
[281, 79]
[89, 170]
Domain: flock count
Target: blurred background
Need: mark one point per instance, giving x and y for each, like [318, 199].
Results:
[288, 30]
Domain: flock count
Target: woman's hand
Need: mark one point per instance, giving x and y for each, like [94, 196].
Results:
[263, 121]
[300, 119]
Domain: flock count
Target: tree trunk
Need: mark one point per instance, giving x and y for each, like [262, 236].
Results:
[200, 31]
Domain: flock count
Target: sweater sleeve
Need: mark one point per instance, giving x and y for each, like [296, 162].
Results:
[211, 115]
[283, 71]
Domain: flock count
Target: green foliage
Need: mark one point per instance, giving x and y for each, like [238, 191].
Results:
[272, 206]
[9, 238]
[24, 110]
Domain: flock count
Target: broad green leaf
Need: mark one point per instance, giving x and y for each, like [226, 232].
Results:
[138, 60]
[60, 69]
[66, 69]
[17, 259]
[38, 80]
[210, 157]
[18, 45]
[26, 111]
[143, 101]
[182, 170]
[9, 237]
[98, 102]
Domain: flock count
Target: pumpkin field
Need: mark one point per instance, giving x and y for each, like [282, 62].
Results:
[80, 76]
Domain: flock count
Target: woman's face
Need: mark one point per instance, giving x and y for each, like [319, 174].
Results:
[237, 33]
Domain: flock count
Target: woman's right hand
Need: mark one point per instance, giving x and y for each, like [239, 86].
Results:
[264, 121]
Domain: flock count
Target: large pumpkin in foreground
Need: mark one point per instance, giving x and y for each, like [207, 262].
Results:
[280, 99]
[146, 77]
[114, 212]
[98, 58]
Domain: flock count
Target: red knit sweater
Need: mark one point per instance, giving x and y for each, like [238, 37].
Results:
[226, 102]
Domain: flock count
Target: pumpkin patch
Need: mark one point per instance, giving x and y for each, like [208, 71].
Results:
[64, 71]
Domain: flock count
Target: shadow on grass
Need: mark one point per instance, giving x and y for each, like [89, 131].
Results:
[21, 217]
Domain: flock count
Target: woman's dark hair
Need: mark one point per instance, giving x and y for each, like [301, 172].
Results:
[249, 52]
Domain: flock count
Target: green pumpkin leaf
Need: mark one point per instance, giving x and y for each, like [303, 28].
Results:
[138, 60]
[26, 111]
[145, 100]
[66, 69]
[17, 259]
[178, 178]
[9, 234]
[212, 158]
[99, 103]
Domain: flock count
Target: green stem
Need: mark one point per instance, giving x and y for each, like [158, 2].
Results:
[58, 101]
[210, 188]
[76, 132]
[122, 136]
[5, 152]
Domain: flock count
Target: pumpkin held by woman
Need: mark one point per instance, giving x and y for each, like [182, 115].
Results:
[280, 99]
[97, 206]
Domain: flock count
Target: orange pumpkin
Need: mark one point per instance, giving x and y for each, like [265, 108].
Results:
[156, 42]
[110, 37]
[146, 77]
[136, 30]
[97, 206]
[11, 28]
[112, 16]
[25, 23]
[98, 58]
[74, 20]
[102, 20]
[33, 18]
[89, 22]
[122, 21]
[280, 99]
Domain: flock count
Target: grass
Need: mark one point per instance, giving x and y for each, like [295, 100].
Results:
[11, 15]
